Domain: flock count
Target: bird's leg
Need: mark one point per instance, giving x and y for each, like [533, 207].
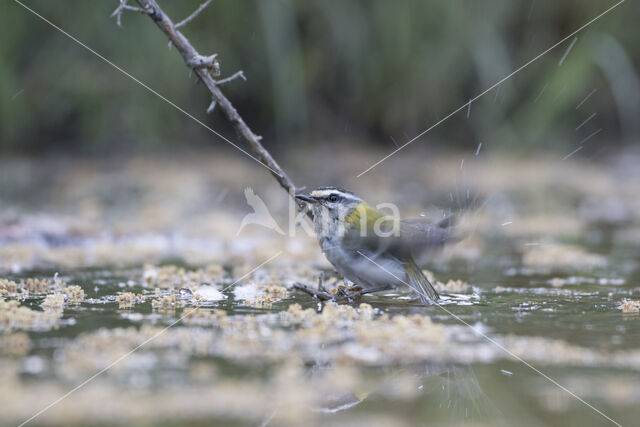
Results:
[354, 298]
[320, 282]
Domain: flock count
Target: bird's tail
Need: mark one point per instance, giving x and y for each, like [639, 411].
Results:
[420, 284]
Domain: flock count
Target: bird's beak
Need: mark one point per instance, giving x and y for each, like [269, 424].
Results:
[307, 199]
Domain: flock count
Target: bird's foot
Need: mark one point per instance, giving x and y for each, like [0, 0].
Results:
[338, 294]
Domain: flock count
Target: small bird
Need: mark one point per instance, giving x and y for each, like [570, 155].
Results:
[260, 215]
[371, 249]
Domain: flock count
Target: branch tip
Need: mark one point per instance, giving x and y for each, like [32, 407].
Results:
[238, 74]
[124, 6]
[191, 17]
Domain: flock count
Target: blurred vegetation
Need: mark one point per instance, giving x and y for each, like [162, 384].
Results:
[357, 70]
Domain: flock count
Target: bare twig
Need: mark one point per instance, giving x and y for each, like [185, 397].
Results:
[124, 6]
[211, 106]
[315, 293]
[193, 15]
[201, 66]
[238, 74]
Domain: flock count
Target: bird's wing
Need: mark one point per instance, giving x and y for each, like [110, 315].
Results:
[419, 235]
[413, 236]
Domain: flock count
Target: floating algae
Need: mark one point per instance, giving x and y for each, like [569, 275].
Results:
[129, 299]
[458, 286]
[13, 316]
[167, 301]
[8, 287]
[73, 294]
[201, 316]
[261, 301]
[171, 276]
[37, 286]
[266, 294]
[27, 286]
[630, 306]
[40, 285]
[275, 290]
[339, 334]
[15, 344]
[53, 302]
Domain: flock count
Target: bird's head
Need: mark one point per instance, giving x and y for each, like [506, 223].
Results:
[331, 207]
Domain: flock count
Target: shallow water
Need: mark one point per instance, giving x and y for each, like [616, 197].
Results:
[543, 293]
[575, 334]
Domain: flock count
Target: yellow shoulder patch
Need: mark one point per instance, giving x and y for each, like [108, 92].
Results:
[363, 212]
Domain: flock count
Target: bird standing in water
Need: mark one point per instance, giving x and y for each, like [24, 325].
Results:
[371, 249]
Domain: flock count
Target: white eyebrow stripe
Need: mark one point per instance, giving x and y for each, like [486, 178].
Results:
[326, 193]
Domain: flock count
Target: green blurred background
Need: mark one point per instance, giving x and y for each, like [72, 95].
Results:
[332, 72]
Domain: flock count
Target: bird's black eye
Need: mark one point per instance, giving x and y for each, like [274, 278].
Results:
[333, 198]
